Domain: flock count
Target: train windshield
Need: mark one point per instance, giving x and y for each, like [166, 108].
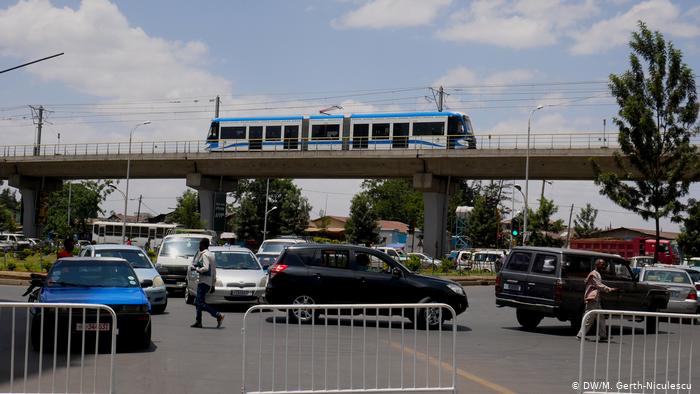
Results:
[213, 132]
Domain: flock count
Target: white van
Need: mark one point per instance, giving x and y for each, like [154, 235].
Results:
[396, 254]
[175, 256]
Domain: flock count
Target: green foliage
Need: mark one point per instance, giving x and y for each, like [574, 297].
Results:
[395, 199]
[187, 210]
[542, 228]
[24, 253]
[11, 266]
[322, 240]
[484, 221]
[46, 265]
[9, 206]
[413, 263]
[361, 227]
[85, 200]
[689, 238]
[446, 265]
[584, 224]
[658, 113]
[290, 218]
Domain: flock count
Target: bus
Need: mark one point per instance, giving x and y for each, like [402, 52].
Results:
[372, 131]
[139, 233]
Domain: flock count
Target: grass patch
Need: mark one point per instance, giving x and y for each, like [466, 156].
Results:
[33, 262]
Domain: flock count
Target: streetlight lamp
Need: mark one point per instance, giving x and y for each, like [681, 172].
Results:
[527, 171]
[265, 222]
[128, 169]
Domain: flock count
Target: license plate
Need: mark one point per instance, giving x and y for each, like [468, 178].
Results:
[508, 286]
[91, 327]
[240, 292]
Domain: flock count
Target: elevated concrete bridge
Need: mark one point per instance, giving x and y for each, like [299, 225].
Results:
[553, 157]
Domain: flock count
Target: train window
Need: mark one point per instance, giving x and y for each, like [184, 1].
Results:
[159, 232]
[325, 131]
[273, 133]
[429, 128]
[109, 230]
[360, 132]
[233, 133]
[213, 131]
[380, 131]
[144, 232]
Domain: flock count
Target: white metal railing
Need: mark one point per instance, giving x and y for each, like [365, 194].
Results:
[483, 141]
[68, 351]
[646, 352]
[348, 348]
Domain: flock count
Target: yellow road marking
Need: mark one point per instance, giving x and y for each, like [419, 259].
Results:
[460, 372]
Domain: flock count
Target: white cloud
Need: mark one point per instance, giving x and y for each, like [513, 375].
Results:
[380, 14]
[104, 56]
[463, 76]
[659, 15]
[518, 24]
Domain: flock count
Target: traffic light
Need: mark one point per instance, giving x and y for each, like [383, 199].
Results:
[515, 227]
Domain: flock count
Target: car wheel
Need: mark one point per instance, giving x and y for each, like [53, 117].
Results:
[528, 319]
[189, 299]
[430, 318]
[145, 340]
[303, 315]
[158, 309]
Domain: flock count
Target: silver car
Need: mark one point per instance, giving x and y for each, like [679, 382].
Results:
[240, 279]
[683, 295]
[694, 273]
[142, 265]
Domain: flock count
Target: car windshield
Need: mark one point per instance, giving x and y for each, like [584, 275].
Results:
[235, 260]
[486, 257]
[92, 273]
[136, 258]
[180, 247]
[666, 276]
[274, 247]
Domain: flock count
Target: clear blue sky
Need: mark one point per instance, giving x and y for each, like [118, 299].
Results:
[130, 61]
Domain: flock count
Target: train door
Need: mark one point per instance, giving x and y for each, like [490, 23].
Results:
[255, 137]
[359, 135]
[291, 137]
[380, 137]
[400, 135]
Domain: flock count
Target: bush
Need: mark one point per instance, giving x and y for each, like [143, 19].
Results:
[413, 263]
[11, 266]
[46, 265]
[24, 253]
[446, 265]
[28, 267]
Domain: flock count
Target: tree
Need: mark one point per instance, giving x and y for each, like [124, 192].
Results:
[483, 221]
[541, 227]
[484, 226]
[658, 111]
[689, 238]
[85, 199]
[362, 227]
[395, 199]
[187, 210]
[9, 206]
[584, 224]
[290, 217]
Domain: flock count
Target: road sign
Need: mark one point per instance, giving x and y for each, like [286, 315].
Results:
[219, 212]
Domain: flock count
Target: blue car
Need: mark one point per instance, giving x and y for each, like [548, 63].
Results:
[108, 281]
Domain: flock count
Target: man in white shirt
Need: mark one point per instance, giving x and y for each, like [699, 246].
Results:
[594, 285]
[205, 264]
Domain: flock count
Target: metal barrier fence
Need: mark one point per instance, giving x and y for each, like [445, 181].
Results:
[647, 352]
[348, 348]
[72, 347]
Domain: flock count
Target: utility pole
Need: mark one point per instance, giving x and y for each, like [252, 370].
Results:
[39, 125]
[216, 108]
[441, 98]
[138, 213]
[70, 192]
[568, 230]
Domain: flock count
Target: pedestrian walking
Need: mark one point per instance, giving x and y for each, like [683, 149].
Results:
[594, 285]
[67, 251]
[205, 264]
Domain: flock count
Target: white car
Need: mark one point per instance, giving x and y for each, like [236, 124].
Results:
[14, 241]
[142, 265]
[396, 254]
[240, 279]
[425, 260]
[175, 256]
[485, 260]
[271, 249]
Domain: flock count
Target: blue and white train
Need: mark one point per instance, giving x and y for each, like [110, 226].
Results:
[414, 130]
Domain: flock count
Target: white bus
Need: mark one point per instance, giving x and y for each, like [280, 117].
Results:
[139, 233]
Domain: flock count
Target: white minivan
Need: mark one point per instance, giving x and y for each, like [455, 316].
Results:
[175, 256]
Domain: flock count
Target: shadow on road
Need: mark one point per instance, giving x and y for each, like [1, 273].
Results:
[396, 324]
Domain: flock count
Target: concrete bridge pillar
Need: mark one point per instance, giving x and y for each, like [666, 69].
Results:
[436, 191]
[210, 189]
[33, 190]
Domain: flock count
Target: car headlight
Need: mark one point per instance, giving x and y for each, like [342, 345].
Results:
[158, 281]
[456, 288]
[142, 308]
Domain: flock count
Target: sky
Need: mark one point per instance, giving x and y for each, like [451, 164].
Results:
[164, 61]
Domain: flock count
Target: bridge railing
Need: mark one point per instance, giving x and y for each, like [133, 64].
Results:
[483, 141]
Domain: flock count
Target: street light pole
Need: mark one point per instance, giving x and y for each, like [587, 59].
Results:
[527, 172]
[265, 222]
[128, 170]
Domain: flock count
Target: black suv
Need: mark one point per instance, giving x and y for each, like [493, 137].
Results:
[550, 282]
[346, 274]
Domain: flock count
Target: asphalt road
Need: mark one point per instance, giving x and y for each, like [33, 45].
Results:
[493, 354]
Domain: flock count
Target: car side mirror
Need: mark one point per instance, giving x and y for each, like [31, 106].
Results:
[396, 272]
[146, 283]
